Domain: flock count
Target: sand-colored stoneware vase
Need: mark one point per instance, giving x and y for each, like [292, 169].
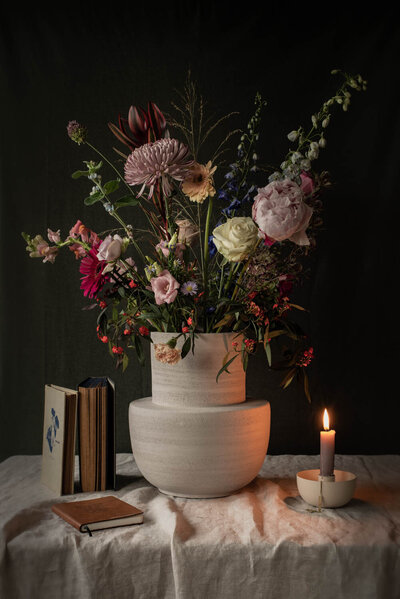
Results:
[196, 437]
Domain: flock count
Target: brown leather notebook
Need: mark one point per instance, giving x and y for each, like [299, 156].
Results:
[95, 514]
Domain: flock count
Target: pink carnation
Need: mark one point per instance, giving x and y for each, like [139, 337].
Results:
[166, 354]
[165, 287]
[281, 213]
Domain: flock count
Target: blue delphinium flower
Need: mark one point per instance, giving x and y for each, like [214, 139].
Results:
[212, 250]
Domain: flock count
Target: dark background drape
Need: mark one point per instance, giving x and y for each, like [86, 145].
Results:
[90, 66]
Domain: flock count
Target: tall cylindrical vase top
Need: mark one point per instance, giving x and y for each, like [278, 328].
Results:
[192, 381]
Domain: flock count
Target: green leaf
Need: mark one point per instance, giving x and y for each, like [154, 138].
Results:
[273, 334]
[125, 362]
[267, 348]
[225, 367]
[121, 291]
[245, 359]
[92, 199]
[186, 347]
[127, 201]
[78, 174]
[288, 378]
[111, 186]
[139, 350]
[306, 386]
[298, 307]
[224, 320]
[224, 361]
[102, 319]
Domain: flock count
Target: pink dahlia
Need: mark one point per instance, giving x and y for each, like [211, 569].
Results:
[92, 269]
[155, 160]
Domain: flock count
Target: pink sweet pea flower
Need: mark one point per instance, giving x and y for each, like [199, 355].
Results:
[165, 287]
[110, 249]
[86, 235]
[54, 236]
[50, 253]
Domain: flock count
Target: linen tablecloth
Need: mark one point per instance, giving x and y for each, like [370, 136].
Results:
[260, 542]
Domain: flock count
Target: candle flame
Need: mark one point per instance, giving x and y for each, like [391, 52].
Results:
[326, 420]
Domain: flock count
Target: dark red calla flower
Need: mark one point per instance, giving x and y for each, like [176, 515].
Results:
[141, 126]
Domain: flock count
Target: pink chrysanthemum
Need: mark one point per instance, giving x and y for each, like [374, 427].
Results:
[155, 160]
[92, 268]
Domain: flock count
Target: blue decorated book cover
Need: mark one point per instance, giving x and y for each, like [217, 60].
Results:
[59, 433]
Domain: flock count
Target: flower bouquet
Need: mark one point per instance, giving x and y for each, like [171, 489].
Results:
[225, 240]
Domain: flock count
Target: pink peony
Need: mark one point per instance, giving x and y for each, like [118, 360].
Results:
[165, 287]
[281, 213]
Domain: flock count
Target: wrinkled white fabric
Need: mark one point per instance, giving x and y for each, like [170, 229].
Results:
[260, 542]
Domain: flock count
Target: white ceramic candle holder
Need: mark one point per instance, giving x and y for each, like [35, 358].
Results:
[326, 492]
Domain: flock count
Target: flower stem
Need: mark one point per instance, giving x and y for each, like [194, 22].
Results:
[112, 166]
[206, 235]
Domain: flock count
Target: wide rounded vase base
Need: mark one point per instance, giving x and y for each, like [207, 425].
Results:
[199, 452]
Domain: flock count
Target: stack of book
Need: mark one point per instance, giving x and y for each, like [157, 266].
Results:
[96, 417]
[92, 406]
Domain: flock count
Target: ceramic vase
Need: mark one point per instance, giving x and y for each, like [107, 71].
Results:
[196, 437]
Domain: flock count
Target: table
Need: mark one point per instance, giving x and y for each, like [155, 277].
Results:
[260, 542]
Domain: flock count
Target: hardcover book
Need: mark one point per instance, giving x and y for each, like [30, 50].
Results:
[59, 433]
[96, 417]
[96, 514]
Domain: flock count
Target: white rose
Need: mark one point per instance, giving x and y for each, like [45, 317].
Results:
[236, 238]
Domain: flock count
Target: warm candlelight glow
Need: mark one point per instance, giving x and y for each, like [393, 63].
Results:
[326, 420]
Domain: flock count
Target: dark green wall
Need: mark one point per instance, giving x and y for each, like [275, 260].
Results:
[90, 66]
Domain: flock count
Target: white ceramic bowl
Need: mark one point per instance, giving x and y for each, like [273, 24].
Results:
[333, 493]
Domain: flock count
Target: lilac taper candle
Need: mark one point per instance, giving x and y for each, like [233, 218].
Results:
[327, 448]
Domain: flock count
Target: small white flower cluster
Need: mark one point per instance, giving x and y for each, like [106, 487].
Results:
[309, 144]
